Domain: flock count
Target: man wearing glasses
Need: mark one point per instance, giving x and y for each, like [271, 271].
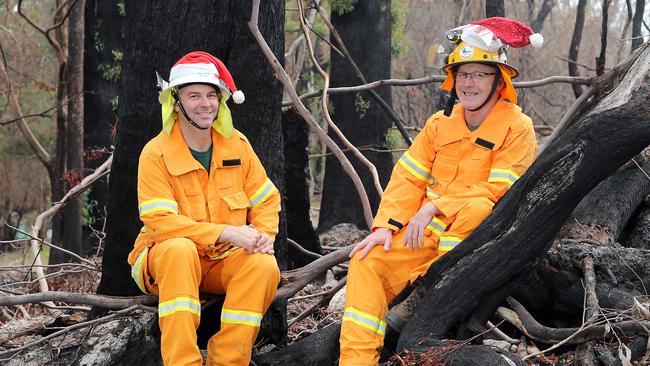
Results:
[461, 163]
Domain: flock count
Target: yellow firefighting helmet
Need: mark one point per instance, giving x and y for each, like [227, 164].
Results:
[486, 42]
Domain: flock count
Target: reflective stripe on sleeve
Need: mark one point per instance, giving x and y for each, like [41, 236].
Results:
[262, 193]
[448, 243]
[158, 204]
[229, 316]
[365, 320]
[182, 303]
[431, 193]
[136, 269]
[417, 169]
[437, 226]
[503, 175]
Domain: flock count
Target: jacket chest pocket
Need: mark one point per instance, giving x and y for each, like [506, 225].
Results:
[445, 165]
[478, 166]
[192, 203]
[235, 209]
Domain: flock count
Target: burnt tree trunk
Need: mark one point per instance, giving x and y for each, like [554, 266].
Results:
[495, 8]
[574, 48]
[72, 211]
[102, 66]
[485, 266]
[603, 213]
[637, 22]
[366, 31]
[296, 194]
[222, 31]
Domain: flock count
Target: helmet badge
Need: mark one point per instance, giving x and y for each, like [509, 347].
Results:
[466, 51]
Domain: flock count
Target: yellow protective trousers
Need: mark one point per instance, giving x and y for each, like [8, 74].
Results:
[374, 281]
[176, 273]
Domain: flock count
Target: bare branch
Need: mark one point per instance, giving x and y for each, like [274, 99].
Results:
[304, 113]
[325, 297]
[107, 302]
[44, 114]
[38, 149]
[576, 80]
[332, 125]
[399, 123]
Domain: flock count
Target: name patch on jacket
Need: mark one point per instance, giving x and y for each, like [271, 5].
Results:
[485, 143]
[231, 162]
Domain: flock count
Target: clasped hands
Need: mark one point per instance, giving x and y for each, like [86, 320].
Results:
[248, 237]
[414, 236]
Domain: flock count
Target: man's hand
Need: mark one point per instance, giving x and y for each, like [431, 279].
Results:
[242, 236]
[414, 236]
[264, 244]
[381, 236]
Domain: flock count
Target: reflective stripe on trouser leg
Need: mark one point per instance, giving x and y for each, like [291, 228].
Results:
[250, 282]
[467, 219]
[371, 284]
[175, 266]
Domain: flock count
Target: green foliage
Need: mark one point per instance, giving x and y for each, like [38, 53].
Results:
[362, 104]
[111, 72]
[121, 8]
[115, 102]
[99, 45]
[343, 6]
[399, 16]
[394, 139]
[87, 217]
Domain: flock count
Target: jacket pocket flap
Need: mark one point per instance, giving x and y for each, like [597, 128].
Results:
[236, 200]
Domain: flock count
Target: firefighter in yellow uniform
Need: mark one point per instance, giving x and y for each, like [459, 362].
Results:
[210, 216]
[460, 164]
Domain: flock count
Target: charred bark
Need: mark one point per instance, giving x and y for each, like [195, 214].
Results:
[603, 213]
[524, 222]
[296, 196]
[360, 117]
[639, 236]
[102, 65]
[574, 48]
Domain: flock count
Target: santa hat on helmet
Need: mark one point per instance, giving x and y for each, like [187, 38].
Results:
[485, 42]
[202, 67]
[511, 32]
[199, 67]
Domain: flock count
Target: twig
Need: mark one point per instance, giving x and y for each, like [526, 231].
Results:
[43, 114]
[304, 113]
[326, 296]
[303, 250]
[42, 241]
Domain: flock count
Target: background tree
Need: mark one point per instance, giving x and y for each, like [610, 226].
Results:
[102, 69]
[366, 30]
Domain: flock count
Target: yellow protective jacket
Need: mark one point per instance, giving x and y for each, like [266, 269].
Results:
[448, 163]
[177, 198]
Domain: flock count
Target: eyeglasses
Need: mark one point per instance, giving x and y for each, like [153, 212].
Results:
[476, 75]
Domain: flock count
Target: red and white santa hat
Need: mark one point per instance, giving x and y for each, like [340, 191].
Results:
[511, 32]
[202, 67]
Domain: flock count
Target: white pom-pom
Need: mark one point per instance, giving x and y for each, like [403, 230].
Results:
[238, 97]
[536, 40]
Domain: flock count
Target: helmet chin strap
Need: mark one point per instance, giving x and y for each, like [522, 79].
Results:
[489, 97]
[182, 109]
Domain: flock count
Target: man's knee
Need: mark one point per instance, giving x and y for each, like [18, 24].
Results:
[181, 250]
[265, 267]
[478, 208]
